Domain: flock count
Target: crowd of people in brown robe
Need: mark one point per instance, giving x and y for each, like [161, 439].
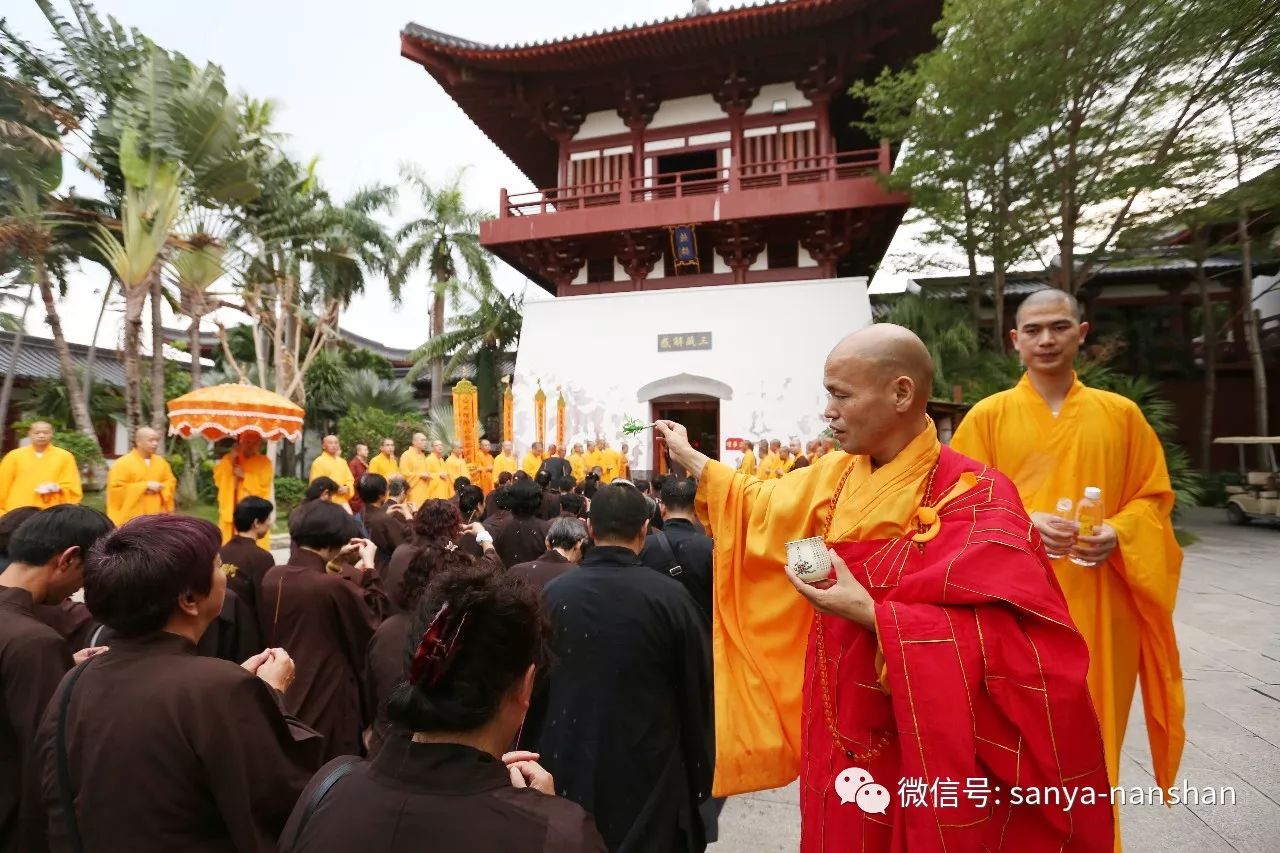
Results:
[529, 670]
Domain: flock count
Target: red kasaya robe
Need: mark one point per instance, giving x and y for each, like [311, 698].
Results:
[973, 683]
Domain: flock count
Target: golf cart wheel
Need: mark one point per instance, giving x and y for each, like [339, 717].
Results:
[1236, 515]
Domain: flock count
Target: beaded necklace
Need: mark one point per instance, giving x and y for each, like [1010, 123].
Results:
[828, 704]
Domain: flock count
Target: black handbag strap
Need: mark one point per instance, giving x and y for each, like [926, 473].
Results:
[65, 792]
[326, 784]
[664, 545]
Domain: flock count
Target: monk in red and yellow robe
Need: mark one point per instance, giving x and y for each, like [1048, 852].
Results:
[970, 677]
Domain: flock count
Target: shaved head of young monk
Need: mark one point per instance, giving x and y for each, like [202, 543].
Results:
[878, 380]
[1048, 332]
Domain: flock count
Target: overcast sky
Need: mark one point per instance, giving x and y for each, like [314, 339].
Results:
[345, 94]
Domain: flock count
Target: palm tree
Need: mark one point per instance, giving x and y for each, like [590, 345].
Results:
[486, 324]
[366, 389]
[31, 149]
[176, 134]
[447, 239]
[27, 230]
[149, 213]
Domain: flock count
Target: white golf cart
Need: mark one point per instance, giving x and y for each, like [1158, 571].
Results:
[1259, 496]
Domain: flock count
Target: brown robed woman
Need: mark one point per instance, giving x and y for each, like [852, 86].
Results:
[149, 748]
[323, 617]
[445, 782]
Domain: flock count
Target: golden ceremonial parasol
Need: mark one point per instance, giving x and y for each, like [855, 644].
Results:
[227, 411]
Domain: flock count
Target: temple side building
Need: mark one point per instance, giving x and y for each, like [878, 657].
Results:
[706, 211]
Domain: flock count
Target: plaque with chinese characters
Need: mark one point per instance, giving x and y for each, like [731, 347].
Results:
[684, 342]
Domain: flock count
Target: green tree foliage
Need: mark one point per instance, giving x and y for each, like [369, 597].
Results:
[366, 425]
[1049, 126]
[85, 449]
[289, 492]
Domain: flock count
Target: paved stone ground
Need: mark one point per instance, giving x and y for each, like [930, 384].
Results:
[1228, 623]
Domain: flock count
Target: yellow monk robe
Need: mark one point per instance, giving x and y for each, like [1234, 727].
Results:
[760, 625]
[503, 463]
[484, 471]
[413, 464]
[594, 460]
[531, 463]
[455, 467]
[578, 465]
[22, 470]
[259, 475]
[610, 465]
[336, 469]
[384, 466]
[1124, 608]
[788, 466]
[748, 464]
[624, 466]
[436, 476]
[127, 495]
[769, 467]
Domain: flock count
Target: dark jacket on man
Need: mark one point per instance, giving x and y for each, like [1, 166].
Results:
[691, 549]
[631, 688]
[33, 659]
[543, 570]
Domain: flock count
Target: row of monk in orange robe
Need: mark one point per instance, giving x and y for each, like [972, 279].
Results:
[776, 458]
[42, 475]
[429, 474]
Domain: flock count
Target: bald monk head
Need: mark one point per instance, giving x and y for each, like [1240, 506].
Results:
[437, 447]
[878, 380]
[456, 449]
[1048, 332]
[329, 444]
[420, 440]
[41, 434]
[147, 441]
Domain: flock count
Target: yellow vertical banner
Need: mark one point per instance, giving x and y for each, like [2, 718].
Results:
[465, 426]
[540, 415]
[560, 428]
[508, 411]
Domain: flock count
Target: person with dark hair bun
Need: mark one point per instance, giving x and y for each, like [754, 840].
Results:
[437, 527]
[155, 747]
[309, 606]
[624, 717]
[384, 667]
[320, 489]
[447, 781]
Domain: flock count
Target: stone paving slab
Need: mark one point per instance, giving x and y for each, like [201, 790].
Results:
[1228, 623]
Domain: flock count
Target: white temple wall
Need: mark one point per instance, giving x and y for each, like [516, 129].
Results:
[768, 347]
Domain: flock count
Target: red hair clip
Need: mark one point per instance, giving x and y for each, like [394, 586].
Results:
[437, 648]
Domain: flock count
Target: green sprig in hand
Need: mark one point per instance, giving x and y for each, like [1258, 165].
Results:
[632, 427]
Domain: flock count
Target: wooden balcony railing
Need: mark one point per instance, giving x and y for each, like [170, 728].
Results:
[638, 189]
